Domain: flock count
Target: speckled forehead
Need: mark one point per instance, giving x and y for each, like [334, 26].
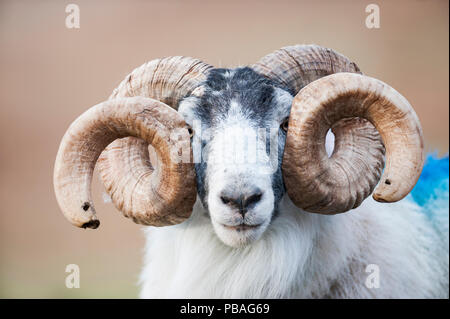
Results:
[230, 97]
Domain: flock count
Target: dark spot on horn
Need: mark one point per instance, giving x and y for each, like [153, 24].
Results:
[91, 224]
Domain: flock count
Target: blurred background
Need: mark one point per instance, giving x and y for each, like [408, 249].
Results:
[50, 74]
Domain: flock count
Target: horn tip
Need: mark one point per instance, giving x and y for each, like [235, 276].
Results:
[93, 224]
[379, 198]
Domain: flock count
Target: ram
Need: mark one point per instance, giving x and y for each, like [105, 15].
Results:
[262, 174]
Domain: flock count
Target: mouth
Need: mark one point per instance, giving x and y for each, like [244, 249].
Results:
[241, 227]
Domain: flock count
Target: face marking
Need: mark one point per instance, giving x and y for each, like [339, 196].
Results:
[238, 147]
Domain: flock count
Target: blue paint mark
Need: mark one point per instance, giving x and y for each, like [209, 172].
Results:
[433, 182]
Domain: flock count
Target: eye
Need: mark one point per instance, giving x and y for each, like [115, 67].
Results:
[285, 125]
[190, 131]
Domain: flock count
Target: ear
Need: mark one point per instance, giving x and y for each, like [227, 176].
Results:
[187, 109]
[284, 103]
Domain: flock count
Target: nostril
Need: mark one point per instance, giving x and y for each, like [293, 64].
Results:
[225, 200]
[242, 201]
[253, 199]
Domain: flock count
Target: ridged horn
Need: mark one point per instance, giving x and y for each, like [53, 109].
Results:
[358, 145]
[332, 185]
[159, 198]
[296, 66]
[125, 161]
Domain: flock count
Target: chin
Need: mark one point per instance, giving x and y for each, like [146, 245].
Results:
[239, 236]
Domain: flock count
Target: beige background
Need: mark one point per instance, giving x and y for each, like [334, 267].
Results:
[50, 74]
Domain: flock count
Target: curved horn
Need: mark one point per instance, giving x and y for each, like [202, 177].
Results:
[320, 184]
[167, 80]
[169, 193]
[124, 161]
[294, 67]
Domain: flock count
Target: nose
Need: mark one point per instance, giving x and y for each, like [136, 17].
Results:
[243, 200]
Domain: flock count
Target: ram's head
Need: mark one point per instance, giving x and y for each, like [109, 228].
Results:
[240, 139]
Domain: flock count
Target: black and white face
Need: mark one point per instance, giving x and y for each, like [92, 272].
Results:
[239, 126]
